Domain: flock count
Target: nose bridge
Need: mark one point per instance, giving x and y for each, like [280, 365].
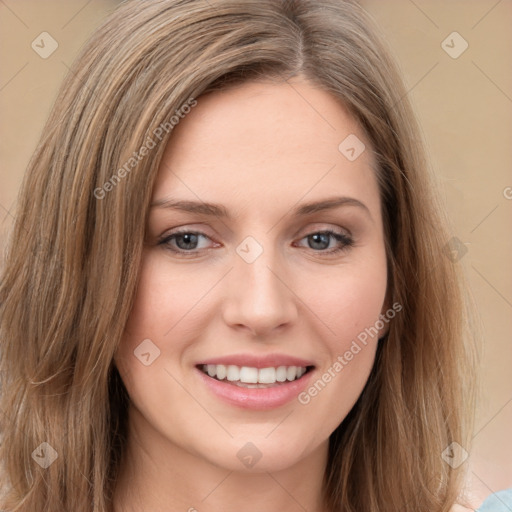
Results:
[259, 296]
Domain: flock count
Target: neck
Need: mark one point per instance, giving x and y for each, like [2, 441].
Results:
[160, 476]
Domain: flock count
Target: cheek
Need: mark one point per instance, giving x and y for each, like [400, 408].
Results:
[349, 301]
[363, 296]
[165, 303]
[164, 310]
[164, 315]
[349, 308]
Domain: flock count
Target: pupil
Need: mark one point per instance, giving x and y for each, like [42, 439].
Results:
[189, 238]
[317, 238]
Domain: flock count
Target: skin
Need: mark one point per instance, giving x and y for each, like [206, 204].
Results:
[260, 149]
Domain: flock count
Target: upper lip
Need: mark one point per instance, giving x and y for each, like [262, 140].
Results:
[255, 361]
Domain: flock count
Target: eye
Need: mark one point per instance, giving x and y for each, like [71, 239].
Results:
[183, 242]
[321, 240]
[187, 242]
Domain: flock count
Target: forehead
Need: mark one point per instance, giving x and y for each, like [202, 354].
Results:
[265, 141]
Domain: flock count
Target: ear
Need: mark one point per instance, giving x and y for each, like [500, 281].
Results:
[388, 312]
[383, 323]
[384, 315]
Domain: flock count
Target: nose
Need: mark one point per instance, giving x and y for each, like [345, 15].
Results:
[260, 297]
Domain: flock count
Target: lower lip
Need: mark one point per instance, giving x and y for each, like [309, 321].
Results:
[256, 398]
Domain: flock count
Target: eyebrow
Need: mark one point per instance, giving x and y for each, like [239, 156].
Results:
[219, 210]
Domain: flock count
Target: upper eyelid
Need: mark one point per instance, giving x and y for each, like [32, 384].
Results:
[201, 231]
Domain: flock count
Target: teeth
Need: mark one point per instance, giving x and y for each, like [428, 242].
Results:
[233, 373]
[219, 371]
[291, 372]
[267, 375]
[250, 375]
[281, 373]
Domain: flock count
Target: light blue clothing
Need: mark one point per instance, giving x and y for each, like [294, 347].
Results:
[500, 501]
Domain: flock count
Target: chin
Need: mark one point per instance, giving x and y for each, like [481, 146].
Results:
[262, 453]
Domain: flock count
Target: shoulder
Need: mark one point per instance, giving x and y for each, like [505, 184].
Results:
[500, 501]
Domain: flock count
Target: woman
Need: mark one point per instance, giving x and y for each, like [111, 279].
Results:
[227, 285]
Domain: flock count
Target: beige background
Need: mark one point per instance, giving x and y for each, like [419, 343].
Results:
[464, 105]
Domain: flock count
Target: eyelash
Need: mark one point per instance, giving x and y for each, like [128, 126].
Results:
[346, 241]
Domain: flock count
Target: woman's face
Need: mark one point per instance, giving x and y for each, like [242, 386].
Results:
[253, 290]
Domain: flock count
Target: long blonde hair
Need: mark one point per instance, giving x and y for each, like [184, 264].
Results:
[73, 260]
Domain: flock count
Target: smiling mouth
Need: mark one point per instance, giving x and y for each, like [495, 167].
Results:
[251, 377]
